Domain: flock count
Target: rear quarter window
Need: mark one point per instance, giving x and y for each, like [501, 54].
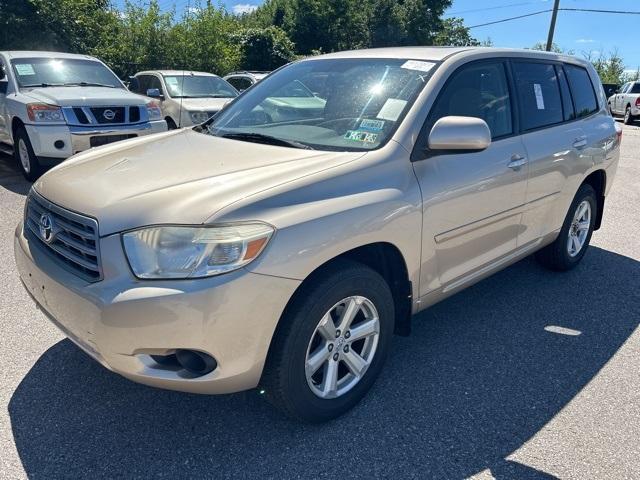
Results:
[582, 91]
[635, 88]
[539, 94]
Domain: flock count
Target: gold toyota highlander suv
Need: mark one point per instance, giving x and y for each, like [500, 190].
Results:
[282, 243]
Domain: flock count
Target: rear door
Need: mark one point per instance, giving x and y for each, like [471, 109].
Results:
[556, 140]
[471, 200]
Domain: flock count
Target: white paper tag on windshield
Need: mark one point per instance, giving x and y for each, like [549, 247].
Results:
[539, 98]
[418, 65]
[391, 109]
[24, 69]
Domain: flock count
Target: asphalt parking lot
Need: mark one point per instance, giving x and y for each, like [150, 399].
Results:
[483, 388]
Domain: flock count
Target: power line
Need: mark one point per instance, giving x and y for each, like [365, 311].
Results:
[492, 8]
[510, 18]
[590, 10]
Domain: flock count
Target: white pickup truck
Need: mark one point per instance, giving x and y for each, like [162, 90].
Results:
[626, 102]
[53, 105]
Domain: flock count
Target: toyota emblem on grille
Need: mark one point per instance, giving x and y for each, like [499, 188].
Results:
[46, 228]
[109, 114]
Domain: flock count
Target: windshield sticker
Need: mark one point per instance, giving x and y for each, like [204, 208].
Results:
[372, 125]
[539, 98]
[24, 69]
[418, 65]
[358, 136]
[391, 109]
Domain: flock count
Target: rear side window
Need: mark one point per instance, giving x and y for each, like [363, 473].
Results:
[584, 96]
[539, 93]
[478, 90]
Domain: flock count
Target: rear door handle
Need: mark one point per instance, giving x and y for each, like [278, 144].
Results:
[580, 142]
[517, 161]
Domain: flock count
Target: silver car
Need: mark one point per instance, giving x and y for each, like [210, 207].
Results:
[284, 253]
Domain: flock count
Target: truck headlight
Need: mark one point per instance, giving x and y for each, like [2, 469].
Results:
[154, 111]
[43, 113]
[199, 117]
[193, 252]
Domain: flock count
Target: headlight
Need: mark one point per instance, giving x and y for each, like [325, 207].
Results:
[153, 109]
[192, 252]
[40, 112]
[199, 117]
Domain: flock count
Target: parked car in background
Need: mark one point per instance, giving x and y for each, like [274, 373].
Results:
[610, 88]
[186, 98]
[244, 79]
[626, 102]
[53, 105]
[284, 253]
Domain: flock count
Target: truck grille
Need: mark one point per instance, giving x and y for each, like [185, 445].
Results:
[69, 238]
[104, 115]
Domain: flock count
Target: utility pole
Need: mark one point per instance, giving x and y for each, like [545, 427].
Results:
[552, 27]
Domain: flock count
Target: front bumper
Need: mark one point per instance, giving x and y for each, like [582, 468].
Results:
[78, 138]
[121, 321]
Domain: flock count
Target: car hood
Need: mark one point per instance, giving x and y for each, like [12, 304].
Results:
[177, 177]
[203, 104]
[85, 96]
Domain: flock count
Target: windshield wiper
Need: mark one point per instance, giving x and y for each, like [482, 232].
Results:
[43, 85]
[87, 84]
[267, 139]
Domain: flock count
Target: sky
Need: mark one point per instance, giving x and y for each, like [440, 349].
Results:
[582, 32]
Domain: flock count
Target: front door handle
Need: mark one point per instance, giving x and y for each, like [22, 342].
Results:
[580, 142]
[517, 161]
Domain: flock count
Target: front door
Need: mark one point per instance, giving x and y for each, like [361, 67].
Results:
[471, 209]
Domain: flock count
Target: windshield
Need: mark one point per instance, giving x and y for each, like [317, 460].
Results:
[198, 86]
[53, 72]
[331, 104]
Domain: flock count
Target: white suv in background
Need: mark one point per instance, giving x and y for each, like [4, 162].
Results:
[53, 105]
[186, 98]
[244, 79]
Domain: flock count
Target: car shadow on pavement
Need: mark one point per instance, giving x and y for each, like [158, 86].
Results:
[10, 176]
[477, 378]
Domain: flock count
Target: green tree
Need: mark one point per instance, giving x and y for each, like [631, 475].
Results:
[265, 48]
[454, 33]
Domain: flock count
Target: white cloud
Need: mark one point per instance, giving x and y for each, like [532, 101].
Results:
[241, 8]
[585, 40]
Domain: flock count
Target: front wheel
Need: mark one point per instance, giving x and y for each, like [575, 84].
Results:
[26, 158]
[572, 242]
[331, 344]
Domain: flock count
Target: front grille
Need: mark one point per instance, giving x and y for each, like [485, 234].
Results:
[69, 238]
[134, 114]
[108, 114]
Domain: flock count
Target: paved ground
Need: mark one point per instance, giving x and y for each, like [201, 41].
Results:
[480, 389]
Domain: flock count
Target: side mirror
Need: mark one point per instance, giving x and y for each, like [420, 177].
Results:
[134, 84]
[154, 93]
[460, 133]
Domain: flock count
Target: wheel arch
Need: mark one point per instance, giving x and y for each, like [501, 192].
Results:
[598, 181]
[387, 260]
[16, 123]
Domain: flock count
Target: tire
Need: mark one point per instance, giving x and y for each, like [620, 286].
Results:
[309, 397]
[171, 125]
[561, 255]
[25, 157]
[628, 118]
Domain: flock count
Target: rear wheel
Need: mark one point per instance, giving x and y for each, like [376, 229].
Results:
[26, 158]
[331, 344]
[628, 118]
[572, 242]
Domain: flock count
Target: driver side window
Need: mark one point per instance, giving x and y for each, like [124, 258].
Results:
[477, 90]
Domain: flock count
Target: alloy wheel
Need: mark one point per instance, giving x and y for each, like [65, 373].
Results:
[579, 229]
[23, 153]
[342, 347]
